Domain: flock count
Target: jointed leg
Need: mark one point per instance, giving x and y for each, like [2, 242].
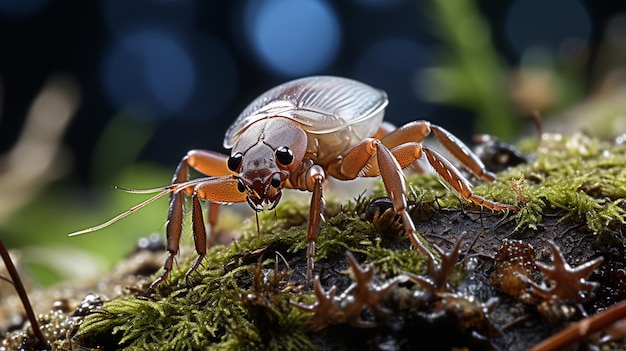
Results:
[419, 130]
[209, 163]
[462, 153]
[199, 235]
[404, 140]
[220, 188]
[316, 177]
[455, 179]
[406, 149]
[212, 211]
[359, 161]
[174, 223]
[393, 179]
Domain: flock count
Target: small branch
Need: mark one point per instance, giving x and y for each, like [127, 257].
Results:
[581, 330]
[21, 292]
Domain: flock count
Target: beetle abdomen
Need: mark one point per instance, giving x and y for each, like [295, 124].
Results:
[321, 105]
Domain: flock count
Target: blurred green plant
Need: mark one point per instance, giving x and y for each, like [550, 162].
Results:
[471, 74]
[40, 228]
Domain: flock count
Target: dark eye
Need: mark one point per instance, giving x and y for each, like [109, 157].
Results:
[235, 161]
[284, 155]
[275, 181]
[240, 186]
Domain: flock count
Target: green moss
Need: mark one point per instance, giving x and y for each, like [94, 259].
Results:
[240, 299]
[229, 295]
[584, 177]
[391, 262]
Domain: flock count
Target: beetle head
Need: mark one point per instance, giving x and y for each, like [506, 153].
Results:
[259, 176]
[264, 162]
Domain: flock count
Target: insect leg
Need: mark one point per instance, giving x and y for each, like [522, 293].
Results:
[458, 183]
[174, 228]
[316, 177]
[209, 163]
[462, 153]
[199, 235]
[415, 131]
[213, 189]
[212, 211]
[419, 130]
[370, 158]
[393, 179]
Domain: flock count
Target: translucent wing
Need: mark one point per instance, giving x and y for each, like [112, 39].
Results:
[321, 104]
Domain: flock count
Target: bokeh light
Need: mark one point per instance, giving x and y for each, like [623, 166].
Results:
[546, 24]
[393, 65]
[151, 72]
[292, 38]
[160, 66]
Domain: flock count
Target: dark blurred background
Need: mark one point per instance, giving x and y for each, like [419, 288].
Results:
[112, 92]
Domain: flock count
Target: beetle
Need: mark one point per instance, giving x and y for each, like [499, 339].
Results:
[295, 136]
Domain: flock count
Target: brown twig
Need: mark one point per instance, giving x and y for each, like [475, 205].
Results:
[581, 330]
[21, 292]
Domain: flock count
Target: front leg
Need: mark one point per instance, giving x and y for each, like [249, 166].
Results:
[174, 225]
[216, 190]
[315, 180]
[208, 163]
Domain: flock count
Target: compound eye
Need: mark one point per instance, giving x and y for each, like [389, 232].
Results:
[240, 186]
[284, 155]
[235, 161]
[275, 181]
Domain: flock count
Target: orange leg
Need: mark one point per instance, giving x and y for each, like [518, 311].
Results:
[219, 189]
[370, 158]
[199, 235]
[419, 130]
[174, 223]
[315, 177]
[408, 135]
[458, 183]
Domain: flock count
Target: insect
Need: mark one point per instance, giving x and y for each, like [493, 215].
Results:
[295, 136]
